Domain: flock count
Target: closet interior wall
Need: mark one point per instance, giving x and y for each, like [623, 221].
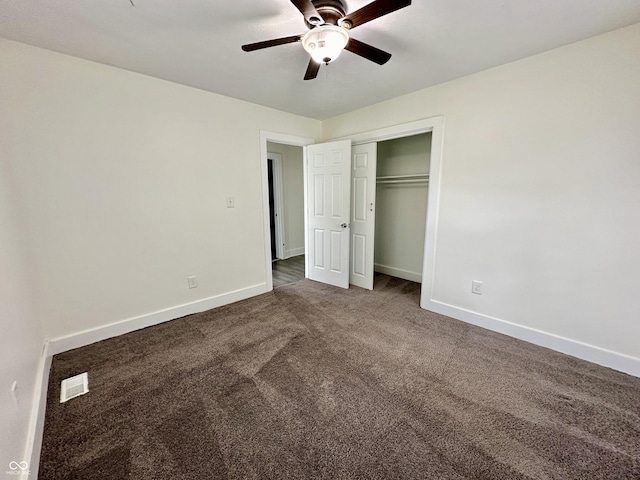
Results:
[402, 182]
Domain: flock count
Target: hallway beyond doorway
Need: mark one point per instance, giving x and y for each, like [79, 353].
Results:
[287, 271]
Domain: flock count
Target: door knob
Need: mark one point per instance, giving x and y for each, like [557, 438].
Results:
[345, 225]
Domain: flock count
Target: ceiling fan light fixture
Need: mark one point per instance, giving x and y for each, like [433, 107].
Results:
[325, 42]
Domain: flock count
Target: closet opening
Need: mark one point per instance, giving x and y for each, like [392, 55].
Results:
[402, 190]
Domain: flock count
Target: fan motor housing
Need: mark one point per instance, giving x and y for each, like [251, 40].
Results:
[331, 11]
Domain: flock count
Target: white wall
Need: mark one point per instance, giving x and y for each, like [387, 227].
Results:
[539, 192]
[22, 337]
[123, 178]
[401, 208]
[404, 156]
[293, 193]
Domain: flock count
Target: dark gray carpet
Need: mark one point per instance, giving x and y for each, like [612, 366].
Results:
[311, 381]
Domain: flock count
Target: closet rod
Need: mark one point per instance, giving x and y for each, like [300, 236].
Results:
[404, 177]
[406, 181]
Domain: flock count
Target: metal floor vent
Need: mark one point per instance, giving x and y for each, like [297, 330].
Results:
[74, 386]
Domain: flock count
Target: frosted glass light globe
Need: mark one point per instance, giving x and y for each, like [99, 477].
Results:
[325, 43]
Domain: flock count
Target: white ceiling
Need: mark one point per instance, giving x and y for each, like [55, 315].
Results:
[197, 43]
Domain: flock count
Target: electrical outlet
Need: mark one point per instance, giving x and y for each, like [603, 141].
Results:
[192, 281]
[231, 202]
[476, 287]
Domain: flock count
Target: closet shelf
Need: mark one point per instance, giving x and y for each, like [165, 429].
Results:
[400, 179]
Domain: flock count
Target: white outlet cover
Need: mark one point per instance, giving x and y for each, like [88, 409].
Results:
[476, 287]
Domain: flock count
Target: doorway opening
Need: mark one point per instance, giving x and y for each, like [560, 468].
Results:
[285, 175]
[287, 140]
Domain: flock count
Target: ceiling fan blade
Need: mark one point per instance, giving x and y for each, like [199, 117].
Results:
[312, 70]
[309, 11]
[367, 51]
[375, 9]
[271, 43]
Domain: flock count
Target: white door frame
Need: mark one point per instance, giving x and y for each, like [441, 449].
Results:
[265, 137]
[435, 125]
[278, 203]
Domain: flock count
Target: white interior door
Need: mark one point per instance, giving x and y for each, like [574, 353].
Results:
[363, 214]
[328, 212]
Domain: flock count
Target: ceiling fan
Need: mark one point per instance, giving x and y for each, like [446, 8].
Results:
[329, 27]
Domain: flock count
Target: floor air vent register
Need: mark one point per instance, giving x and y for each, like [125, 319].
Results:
[74, 387]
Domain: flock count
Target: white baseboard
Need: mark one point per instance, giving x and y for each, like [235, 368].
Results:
[38, 408]
[294, 252]
[607, 358]
[87, 337]
[398, 272]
